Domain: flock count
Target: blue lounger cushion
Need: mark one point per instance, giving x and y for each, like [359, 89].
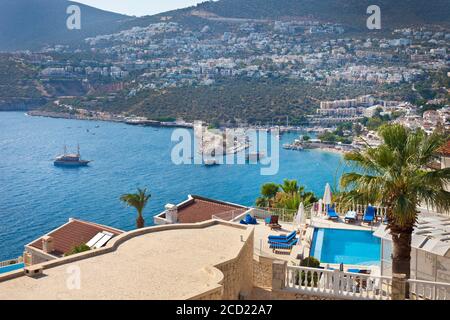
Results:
[250, 220]
[281, 241]
[369, 214]
[332, 213]
[289, 245]
[283, 238]
[354, 270]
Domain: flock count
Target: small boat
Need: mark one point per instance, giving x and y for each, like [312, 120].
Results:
[255, 156]
[210, 162]
[293, 146]
[70, 160]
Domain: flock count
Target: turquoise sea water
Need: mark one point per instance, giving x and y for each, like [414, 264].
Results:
[36, 197]
[345, 246]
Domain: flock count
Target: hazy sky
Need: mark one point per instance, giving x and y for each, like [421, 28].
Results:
[139, 7]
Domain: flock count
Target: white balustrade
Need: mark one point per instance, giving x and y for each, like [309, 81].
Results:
[428, 290]
[8, 262]
[338, 284]
[232, 215]
[343, 208]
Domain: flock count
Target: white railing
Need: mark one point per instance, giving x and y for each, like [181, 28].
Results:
[428, 290]
[284, 215]
[232, 215]
[337, 284]
[342, 209]
[10, 262]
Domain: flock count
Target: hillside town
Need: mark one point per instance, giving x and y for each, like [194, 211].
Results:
[167, 54]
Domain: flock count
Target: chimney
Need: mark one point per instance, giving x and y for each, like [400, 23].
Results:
[171, 213]
[27, 258]
[47, 244]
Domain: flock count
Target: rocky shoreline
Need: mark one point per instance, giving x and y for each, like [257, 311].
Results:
[107, 117]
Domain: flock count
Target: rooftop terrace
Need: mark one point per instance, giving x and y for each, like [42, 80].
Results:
[164, 262]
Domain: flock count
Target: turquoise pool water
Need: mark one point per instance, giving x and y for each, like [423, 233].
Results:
[345, 246]
[11, 267]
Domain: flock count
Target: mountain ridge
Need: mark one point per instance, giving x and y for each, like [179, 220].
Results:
[32, 24]
[349, 12]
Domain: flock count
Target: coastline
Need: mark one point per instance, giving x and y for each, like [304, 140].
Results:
[108, 118]
[150, 123]
[332, 150]
[59, 115]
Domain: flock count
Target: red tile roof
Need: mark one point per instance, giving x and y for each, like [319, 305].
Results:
[199, 209]
[73, 233]
[445, 149]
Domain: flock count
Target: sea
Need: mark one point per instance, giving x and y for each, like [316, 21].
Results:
[36, 196]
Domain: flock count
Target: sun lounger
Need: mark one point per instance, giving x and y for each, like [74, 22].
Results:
[283, 238]
[273, 224]
[351, 216]
[331, 213]
[250, 220]
[369, 214]
[284, 246]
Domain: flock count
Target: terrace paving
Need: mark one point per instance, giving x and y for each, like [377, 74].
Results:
[262, 232]
[170, 264]
[261, 245]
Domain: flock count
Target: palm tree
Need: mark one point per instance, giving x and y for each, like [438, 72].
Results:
[287, 195]
[262, 202]
[289, 186]
[268, 192]
[137, 200]
[395, 175]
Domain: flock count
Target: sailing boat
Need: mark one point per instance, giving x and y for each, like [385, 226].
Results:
[71, 160]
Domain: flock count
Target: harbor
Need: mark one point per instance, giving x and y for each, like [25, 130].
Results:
[300, 145]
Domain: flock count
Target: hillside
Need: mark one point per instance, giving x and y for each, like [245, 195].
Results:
[349, 12]
[228, 101]
[31, 24]
[19, 88]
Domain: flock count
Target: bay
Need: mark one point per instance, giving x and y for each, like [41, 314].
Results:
[36, 197]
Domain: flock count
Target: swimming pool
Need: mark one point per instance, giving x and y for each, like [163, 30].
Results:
[345, 246]
[11, 267]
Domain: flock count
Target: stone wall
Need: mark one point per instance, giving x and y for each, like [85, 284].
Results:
[238, 273]
[262, 271]
[215, 294]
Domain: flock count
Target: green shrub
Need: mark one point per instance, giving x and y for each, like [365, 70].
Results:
[77, 249]
[307, 278]
[310, 262]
